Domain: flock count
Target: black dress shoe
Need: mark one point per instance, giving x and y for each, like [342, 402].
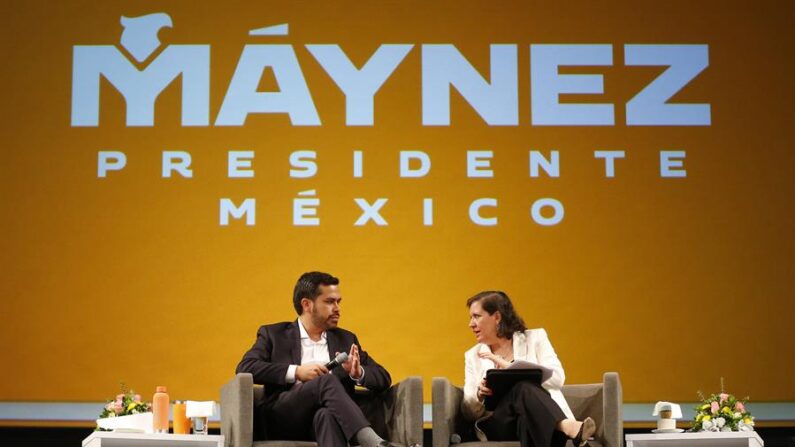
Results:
[587, 429]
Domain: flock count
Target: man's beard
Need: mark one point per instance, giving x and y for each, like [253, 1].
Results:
[325, 323]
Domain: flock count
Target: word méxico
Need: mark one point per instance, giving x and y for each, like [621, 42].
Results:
[443, 67]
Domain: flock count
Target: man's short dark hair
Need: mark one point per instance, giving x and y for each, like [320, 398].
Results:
[308, 286]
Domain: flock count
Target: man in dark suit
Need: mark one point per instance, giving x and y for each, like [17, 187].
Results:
[308, 401]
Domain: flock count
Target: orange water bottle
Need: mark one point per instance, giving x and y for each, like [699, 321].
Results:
[160, 410]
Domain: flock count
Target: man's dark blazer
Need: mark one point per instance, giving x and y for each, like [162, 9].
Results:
[279, 345]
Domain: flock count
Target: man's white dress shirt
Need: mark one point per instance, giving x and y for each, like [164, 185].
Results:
[313, 352]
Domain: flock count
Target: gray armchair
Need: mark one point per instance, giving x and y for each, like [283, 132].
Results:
[401, 407]
[601, 401]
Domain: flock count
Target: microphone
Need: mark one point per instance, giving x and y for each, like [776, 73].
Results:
[341, 358]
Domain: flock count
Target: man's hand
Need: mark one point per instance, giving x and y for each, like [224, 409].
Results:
[305, 373]
[353, 365]
[483, 390]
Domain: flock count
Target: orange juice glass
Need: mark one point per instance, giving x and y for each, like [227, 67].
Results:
[181, 422]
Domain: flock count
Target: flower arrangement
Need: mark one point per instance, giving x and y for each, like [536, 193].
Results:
[126, 403]
[722, 412]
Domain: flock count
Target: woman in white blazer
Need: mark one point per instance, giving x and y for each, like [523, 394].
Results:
[537, 416]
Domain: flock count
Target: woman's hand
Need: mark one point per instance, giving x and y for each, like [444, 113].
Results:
[498, 361]
[483, 390]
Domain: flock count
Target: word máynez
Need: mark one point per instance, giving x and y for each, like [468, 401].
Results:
[443, 67]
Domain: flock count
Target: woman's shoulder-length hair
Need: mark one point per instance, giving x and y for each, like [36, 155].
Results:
[494, 300]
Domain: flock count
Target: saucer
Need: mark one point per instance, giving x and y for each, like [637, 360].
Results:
[668, 430]
[128, 430]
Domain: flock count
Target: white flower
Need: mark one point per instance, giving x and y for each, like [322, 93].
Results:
[720, 422]
[745, 426]
[726, 428]
[738, 416]
[742, 426]
[708, 426]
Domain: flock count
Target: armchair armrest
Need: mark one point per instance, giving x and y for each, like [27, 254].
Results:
[613, 410]
[396, 413]
[237, 411]
[446, 404]
[602, 402]
[405, 425]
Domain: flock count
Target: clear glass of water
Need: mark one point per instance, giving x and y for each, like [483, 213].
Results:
[200, 425]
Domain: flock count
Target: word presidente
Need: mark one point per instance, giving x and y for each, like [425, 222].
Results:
[412, 164]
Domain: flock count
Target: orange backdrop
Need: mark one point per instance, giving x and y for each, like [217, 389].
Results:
[673, 282]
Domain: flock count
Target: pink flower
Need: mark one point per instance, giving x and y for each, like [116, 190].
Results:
[714, 407]
[739, 407]
[110, 406]
[723, 397]
[137, 398]
[119, 397]
[117, 407]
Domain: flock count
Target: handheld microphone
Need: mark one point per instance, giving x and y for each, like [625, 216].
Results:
[341, 358]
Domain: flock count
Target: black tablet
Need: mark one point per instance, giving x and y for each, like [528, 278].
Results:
[500, 381]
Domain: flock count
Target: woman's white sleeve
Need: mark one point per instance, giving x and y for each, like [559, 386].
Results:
[547, 357]
[470, 405]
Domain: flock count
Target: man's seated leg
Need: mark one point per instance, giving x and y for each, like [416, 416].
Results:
[295, 409]
[326, 430]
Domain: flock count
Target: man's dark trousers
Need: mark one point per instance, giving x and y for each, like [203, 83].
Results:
[321, 403]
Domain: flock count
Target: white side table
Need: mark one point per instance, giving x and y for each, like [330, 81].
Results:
[113, 439]
[699, 439]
